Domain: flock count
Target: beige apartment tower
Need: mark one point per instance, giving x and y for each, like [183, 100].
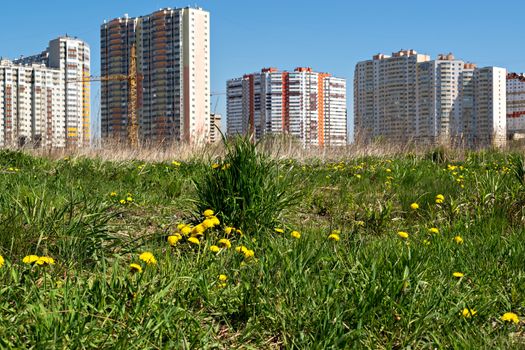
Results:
[173, 63]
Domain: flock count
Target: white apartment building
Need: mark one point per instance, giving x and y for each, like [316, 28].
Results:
[515, 105]
[308, 105]
[490, 106]
[71, 56]
[408, 97]
[31, 106]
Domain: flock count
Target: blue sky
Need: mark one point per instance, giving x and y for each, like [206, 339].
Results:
[328, 36]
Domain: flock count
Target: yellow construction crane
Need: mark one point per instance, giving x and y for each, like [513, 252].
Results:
[132, 79]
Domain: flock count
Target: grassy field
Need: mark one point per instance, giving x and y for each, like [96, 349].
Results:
[416, 252]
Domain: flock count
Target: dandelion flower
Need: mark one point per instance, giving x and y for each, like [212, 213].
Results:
[45, 260]
[223, 278]
[30, 259]
[175, 163]
[122, 201]
[360, 223]
[440, 199]
[239, 232]
[181, 226]
[135, 268]
[334, 237]
[215, 166]
[186, 230]
[458, 274]
[173, 240]
[208, 212]
[510, 317]
[295, 234]
[468, 313]
[215, 220]
[198, 230]
[215, 249]
[113, 194]
[129, 199]
[279, 230]
[241, 249]
[388, 170]
[433, 230]
[194, 240]
[414, 206]
[228, 230]
[2, 261]
[148, 258]
[225, 243]
[208, 223]
[358, 176]
[248, 254]
[403, 234]
[458, 240]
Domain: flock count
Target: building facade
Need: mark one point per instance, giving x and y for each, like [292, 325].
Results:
[173, 63]
[31, 106]
[409, 97]
[215, 128]
[305, 104]
[71, 56]
[515, 105]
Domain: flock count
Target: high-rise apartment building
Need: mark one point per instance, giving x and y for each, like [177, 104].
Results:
[215, 128]
[409, 97]
[515, 105]
[71, 56]
[31, 105]
[173, 63]
[308, 105]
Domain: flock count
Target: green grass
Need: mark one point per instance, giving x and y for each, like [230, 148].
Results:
[370, 290]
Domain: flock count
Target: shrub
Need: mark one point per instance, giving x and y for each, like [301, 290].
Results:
[247, 188]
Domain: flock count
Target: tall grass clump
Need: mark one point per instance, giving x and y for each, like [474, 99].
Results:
[247, 188]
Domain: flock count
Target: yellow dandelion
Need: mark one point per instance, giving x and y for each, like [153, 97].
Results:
[433, 230]
[208, 223]
[129, 199]
[148, 258]
[360, 223]
[241, 249]
[388, 170]
[334, 237]
[440, 199]
[468, 313]
[208, 212]
[45, 260]
[223, 278]
[248, 254]
[458, 240]
[225, 243]
[279, 230]
[215, 220]
[30, 259]
[194, 240]
[122, 201]
[510, 317]
[173, 240]
[2, 261]
[414, 206]
[113, 194]
[186, 230]
[226, 166]
[295, 234]
[358, 176]
[135, 268]
[175, 163]
[215, 249]
[181, 226]
[403, 234]
[239, 232]
[215, 166]
[198, 230]
[458, 274]
[228, 230]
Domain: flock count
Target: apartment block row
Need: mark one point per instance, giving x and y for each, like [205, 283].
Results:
[173, 63]
[308, 105]
[515, 106]
[408, 96]
[44, 101]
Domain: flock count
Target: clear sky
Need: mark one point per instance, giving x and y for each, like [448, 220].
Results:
[329, 36]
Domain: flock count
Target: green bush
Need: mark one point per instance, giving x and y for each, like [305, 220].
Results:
[246, 188]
